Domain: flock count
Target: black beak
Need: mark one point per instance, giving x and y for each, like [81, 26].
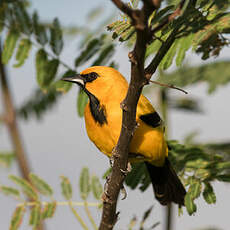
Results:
[78, 79]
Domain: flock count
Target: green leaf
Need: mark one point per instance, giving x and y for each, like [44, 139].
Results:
[152, 48]
[134, 3]
[41, 185]
[168, 58]
[23, 18]
[17, 217]
[146, 214]
[190, 205]
[23, 52]
[46, 70]
[9, 46]
[56, 40]
[9, 191]
[82, 101]
[94, 13]
[223, 177]
[63, 86]
[66, 188]
[38, 103]
[51, 70]
[160, 14]
[27, 189]
[40, 31]
[222, 165]
[6, 158]
[208, 194]
[122, 29]
[96, 187]
[195, 189]
[127, 34]
[209, 73]
[35, 215]
[2, 18]
[184, 45]
[114, 25]
[41, 63]
[84, 183]
[104, 55]
[49, 210]
[92, 47]
[136, 175]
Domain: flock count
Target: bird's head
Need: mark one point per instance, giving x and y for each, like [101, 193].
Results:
[98, 80]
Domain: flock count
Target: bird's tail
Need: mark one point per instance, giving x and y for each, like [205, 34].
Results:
[166, 184]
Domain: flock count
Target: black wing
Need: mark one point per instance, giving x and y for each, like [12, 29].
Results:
[151, 119]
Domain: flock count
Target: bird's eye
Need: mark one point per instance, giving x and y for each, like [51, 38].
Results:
[91, 76]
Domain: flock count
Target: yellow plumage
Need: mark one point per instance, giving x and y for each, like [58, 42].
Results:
[110, 89]
[106, 89]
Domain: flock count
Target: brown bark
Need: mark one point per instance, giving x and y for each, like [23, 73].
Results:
[120, 153]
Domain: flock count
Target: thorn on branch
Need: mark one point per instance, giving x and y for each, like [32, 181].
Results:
[132, 58]
[124, 106]
[168, 86]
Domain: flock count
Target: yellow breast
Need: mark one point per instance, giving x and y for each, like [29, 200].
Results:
[147, 141]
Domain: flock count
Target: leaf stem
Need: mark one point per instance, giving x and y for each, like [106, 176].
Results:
[60, 203]
[77, 216]
[90, 216]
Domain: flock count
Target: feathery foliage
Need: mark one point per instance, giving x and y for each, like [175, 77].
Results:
[40, 210]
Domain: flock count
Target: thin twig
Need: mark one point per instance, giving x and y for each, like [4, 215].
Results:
[80, 220]
[12, 123]
[152, 67]
[90, 216]
[60, 203]
[168, 86]
[124, 8]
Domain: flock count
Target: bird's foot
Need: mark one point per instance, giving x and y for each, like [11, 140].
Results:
[123, 192]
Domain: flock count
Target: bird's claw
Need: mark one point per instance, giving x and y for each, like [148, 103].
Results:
[124, 193]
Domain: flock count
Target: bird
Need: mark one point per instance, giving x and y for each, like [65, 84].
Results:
[106, 89]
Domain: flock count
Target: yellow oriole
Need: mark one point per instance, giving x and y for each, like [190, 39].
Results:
[106, 89]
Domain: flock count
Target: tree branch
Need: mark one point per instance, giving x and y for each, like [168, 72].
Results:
[10, 120]
[152, 67]
[168, 86]
[123, 7]
[120, 153]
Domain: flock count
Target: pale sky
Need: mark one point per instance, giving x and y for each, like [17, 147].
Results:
[58, 144]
